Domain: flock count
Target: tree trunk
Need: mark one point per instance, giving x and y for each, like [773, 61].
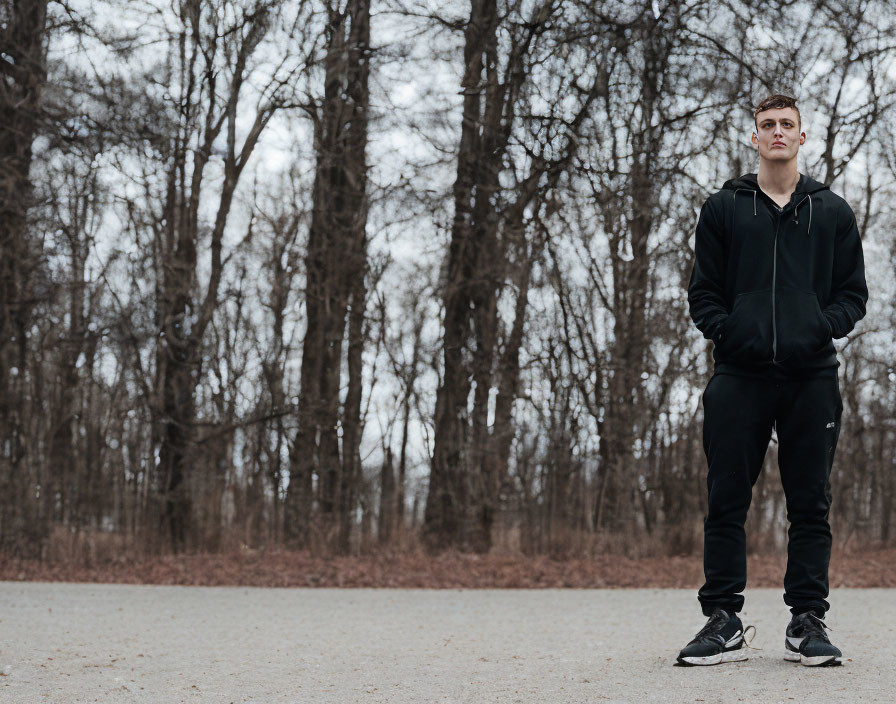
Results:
[23, 36]
[387, 500]
[446, 523]
[495, 460]
[336, 266]
[463, 475]
[351, 422]
[184, 311]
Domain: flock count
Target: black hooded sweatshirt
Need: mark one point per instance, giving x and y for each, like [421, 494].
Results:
[773, 287]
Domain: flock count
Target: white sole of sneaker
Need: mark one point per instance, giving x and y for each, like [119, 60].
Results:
[817, 661]
[730, 656]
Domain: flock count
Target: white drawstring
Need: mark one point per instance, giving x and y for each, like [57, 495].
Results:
[797, 220]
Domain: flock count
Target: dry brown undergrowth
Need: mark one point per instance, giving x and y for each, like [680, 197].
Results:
[281, 568]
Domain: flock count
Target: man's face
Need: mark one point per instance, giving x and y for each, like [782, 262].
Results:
[778, 135]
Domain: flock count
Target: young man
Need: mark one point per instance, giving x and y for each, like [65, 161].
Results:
[778, 275]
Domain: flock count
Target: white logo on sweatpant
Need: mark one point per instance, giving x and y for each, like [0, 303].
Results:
[829, 425]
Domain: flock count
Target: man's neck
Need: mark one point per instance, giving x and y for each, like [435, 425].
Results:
[778, 179]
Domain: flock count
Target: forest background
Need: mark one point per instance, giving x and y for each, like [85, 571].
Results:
[404, 277]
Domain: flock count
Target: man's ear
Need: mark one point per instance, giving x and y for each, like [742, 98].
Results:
[802, 137]
[754, 138]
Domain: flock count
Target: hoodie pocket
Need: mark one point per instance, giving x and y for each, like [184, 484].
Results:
[803, 331]
[747, 333]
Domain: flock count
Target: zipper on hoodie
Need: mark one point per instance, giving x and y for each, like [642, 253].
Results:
[774, 274]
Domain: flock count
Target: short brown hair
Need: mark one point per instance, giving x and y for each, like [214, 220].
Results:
[776, 101]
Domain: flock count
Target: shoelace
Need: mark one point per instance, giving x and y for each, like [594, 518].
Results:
[716, 620]
[749, 641]
[816, 627]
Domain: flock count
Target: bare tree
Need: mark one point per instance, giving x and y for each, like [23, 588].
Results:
[23, 43]
[211, 59]
[335, 289]
[502, 46]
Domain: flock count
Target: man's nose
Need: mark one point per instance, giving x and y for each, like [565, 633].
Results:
[778, 129]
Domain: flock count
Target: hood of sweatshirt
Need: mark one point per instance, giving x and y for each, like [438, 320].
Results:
[806, 185]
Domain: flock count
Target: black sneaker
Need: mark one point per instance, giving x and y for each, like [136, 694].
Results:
[720, 640]
[808, 644]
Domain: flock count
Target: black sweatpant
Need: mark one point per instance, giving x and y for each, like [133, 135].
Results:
[739, 414]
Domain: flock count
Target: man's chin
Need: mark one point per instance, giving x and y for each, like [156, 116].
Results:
[779, 155]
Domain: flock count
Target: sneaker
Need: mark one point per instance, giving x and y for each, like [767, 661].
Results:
[808, 644]
[720, 640]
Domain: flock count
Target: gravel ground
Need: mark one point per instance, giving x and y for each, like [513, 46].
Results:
[123, 643]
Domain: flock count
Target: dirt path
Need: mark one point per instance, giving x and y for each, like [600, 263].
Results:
[123, 643]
